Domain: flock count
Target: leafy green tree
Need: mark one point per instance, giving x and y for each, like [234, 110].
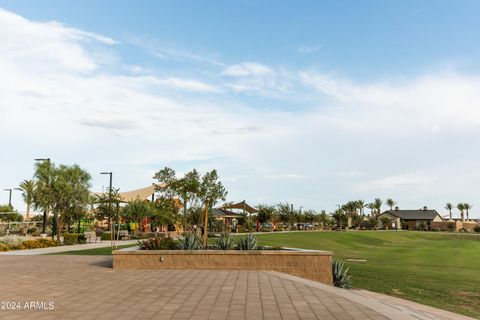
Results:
[7, 213]
[210, 192]
[70, 193]
[449, 207]
[108, 206]
[28, 189]
[43, 196]
[136, 210]
[287, 214]
[340, 218]
[265, 213]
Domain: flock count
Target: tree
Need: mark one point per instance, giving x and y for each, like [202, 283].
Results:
[449, 207]
[44, 194]
[390, 203]
[28, 189]
[265, 213]
[210, 192]
[71, 194]
[7, 213]
[286, 214]
[467, 207]
[377, 204]
[187, 188]
[461, 208]
[108, 206]
[136, 210]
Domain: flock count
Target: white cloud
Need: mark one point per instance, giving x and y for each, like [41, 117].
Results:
[246, 69]
[59, 101]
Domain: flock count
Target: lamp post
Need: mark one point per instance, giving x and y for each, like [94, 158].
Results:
[110, 206]
[9, 197]
[45, 209]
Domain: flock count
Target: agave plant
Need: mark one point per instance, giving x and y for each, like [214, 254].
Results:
[190, 242]
[157, 244]
[224, 242]
[341, 278]
[247, 243]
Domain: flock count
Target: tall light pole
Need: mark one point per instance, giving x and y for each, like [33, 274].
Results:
[110, 206]
[45, 209]
[9, 197]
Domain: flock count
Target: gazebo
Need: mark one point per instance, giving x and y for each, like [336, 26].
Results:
[244, 206]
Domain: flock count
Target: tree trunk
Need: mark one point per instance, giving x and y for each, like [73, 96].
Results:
[28, 212]
[205, 238]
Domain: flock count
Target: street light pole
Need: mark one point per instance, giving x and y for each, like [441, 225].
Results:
[9, 197]
[45, 209]
[110, 206]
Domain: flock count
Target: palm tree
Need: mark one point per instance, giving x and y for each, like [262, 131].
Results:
[377, 203]
[28, 188]
[361, 204]
[390, 203]
[467, 207]
[449, 207]
[461, 207]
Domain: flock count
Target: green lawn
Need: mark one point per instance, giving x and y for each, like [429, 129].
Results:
[93, 252]
[437, 269]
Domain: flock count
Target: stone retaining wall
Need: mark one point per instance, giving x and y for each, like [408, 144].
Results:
[313, 265]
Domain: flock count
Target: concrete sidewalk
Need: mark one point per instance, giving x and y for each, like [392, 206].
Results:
[87, 288]
[76, 247]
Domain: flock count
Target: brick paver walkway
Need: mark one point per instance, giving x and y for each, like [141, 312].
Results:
[86, 287]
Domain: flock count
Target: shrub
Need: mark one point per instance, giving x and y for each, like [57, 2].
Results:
[12, 240]
[341, 278]
[4, 247]
[224, 242]
[71, 238]
[436, 229]
[477, 228]
[451, 226]
[462, 230]
[247, 243]
[158, 244]
[190, 242]
[106, 236]
[38, 243]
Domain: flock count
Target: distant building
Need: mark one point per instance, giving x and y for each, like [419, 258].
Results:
[410, 219]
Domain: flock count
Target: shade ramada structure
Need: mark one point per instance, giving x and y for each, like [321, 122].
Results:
[242, 206]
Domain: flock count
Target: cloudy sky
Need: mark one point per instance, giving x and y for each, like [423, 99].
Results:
[309, 102]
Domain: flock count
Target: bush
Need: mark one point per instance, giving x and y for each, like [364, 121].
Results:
[462, 230]
[12, 240]
[224, 242]
[73, 238]
[106, 236]
[158, 244]
[38, 243]
[436, 229]
[4, 247]
[341, 278]
[247, 243]
[190, 242]
[451, 226]
[477, 228]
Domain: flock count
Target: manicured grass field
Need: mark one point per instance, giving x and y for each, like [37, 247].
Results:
[436, 269]
[106, 251]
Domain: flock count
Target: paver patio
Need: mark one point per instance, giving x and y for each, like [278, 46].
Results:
[86, 287]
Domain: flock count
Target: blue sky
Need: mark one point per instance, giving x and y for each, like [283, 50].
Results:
[311, 102]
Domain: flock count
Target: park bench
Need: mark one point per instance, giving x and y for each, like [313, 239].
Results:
[123, 235]
[91, 236]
